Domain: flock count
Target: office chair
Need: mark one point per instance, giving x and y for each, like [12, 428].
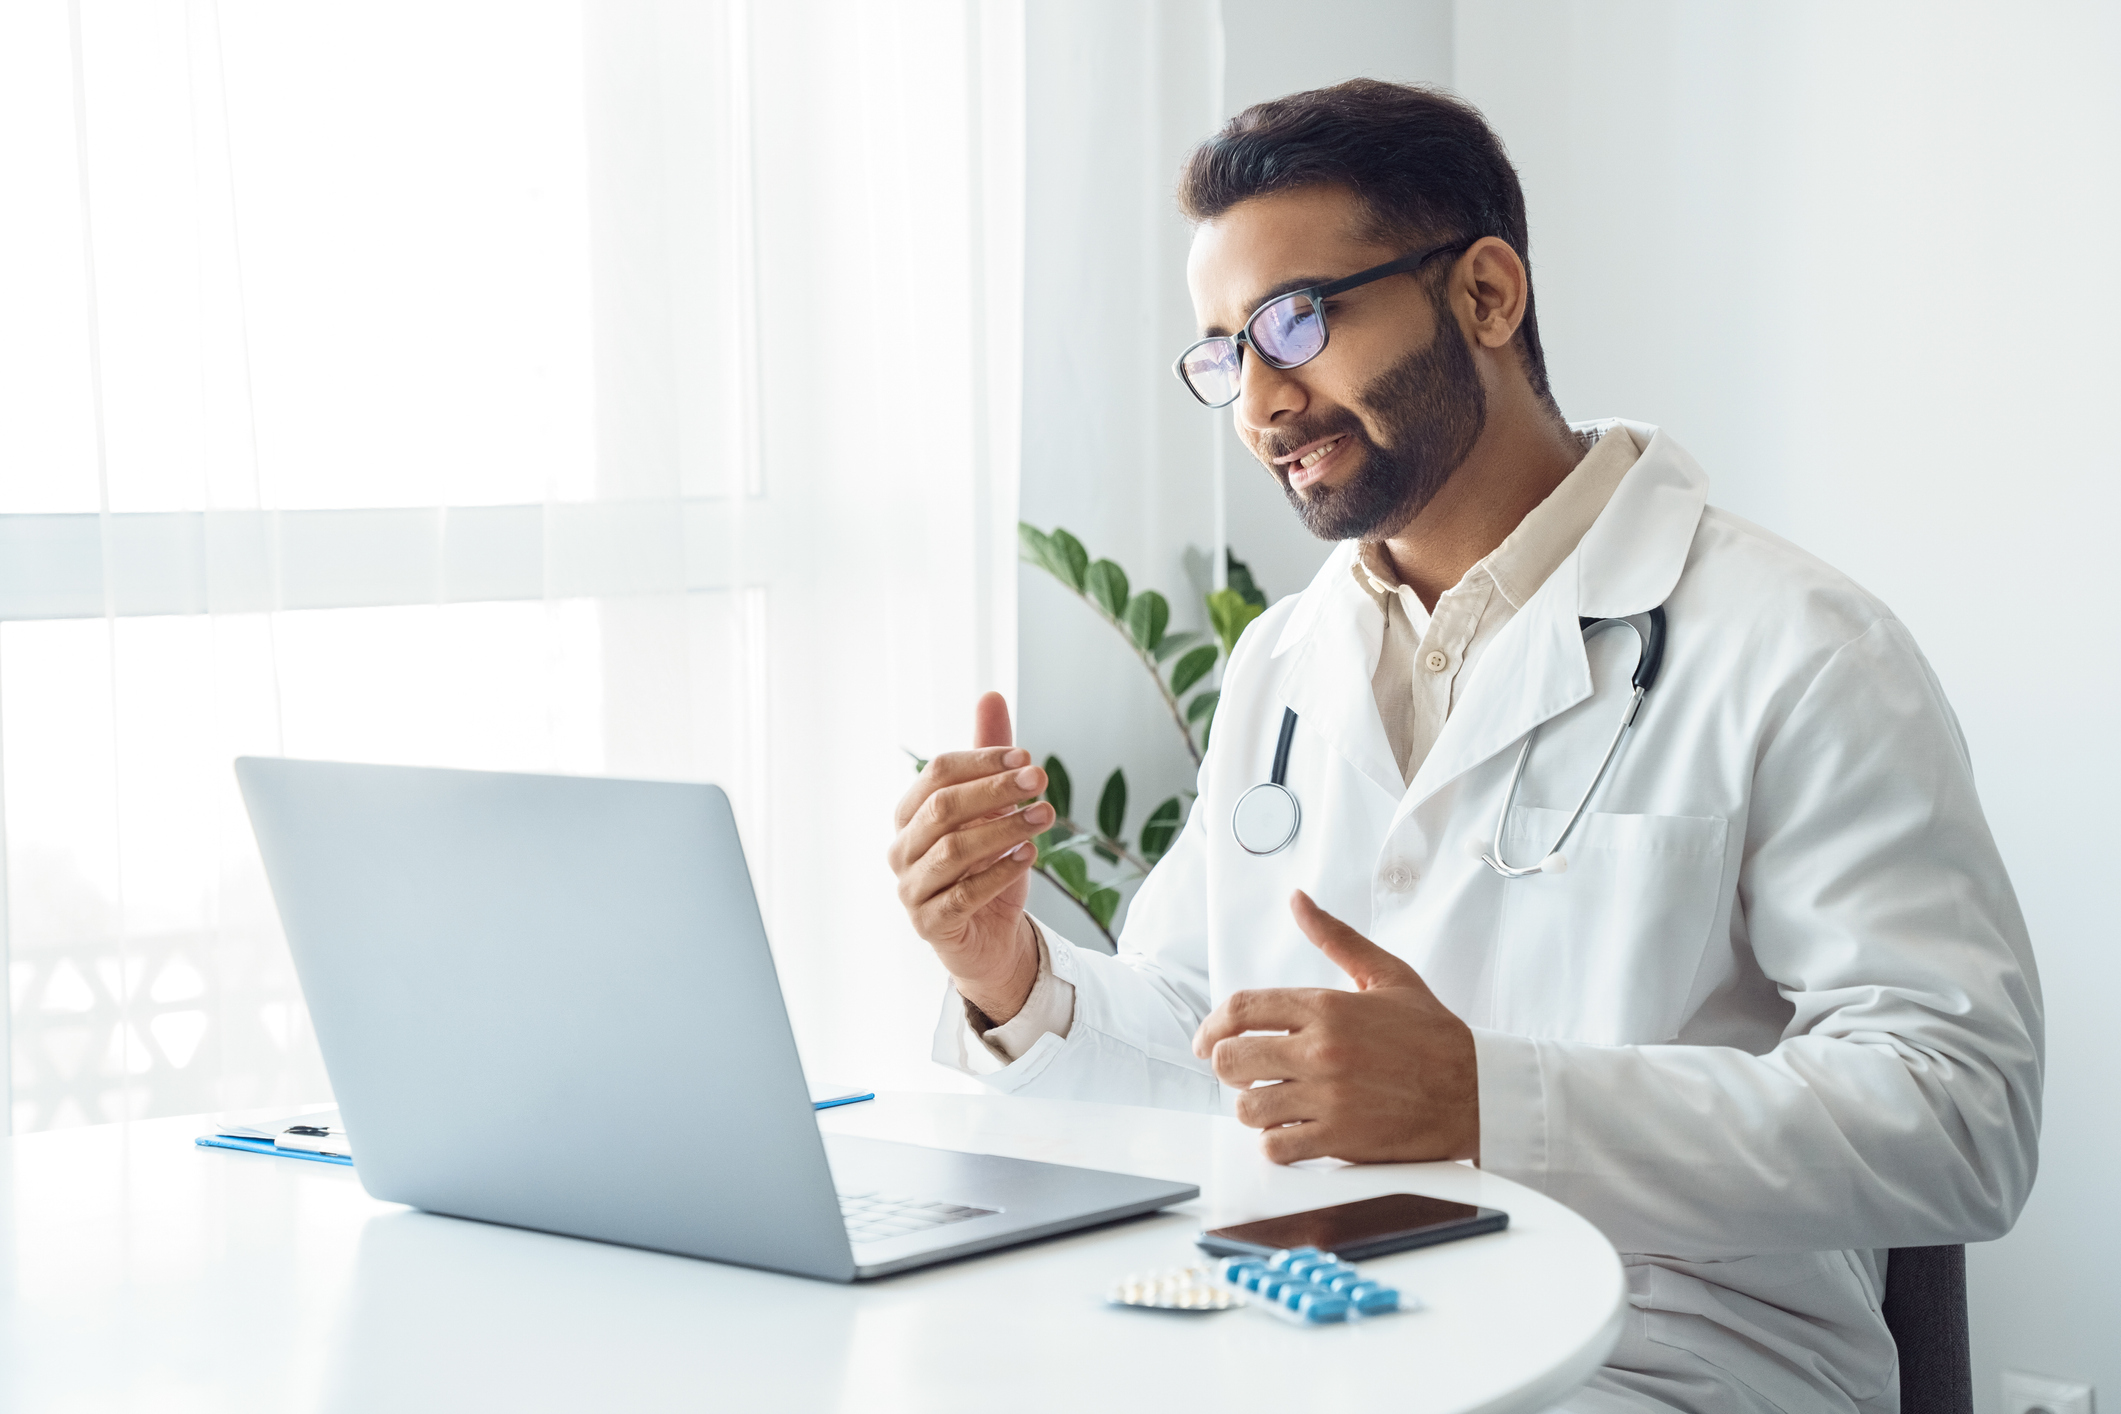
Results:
[1925, 1309]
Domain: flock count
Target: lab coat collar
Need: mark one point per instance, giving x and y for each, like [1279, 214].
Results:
[1627, 563]
[1328, 652]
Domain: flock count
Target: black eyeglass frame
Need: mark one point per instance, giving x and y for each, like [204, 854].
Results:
[1317, 294]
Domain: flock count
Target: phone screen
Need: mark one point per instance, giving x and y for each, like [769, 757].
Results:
[1372, 1226]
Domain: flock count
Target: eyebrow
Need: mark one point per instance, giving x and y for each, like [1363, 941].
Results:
[1274, 292]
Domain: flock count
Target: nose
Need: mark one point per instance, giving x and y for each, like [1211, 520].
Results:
[1266, 395]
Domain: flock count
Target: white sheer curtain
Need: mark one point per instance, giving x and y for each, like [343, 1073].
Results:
[620, 388]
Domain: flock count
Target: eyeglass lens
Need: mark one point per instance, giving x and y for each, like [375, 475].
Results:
[1286, 332]
[1289, 331]
[1211, 371]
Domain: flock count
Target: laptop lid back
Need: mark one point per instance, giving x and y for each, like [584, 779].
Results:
[548, 1001]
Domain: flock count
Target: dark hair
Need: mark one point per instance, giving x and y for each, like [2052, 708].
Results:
[1426, 167]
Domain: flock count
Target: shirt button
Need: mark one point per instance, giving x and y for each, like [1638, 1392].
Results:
[1436, 661]
[1399, 878]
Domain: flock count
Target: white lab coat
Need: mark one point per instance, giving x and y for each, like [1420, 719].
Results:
[1779, 1013]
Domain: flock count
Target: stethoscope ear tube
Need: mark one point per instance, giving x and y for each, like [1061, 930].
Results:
[1652, 657]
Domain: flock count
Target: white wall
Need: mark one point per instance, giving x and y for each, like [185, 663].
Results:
[1858, 258]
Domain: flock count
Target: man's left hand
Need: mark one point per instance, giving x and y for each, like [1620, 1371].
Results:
[1383, 1074]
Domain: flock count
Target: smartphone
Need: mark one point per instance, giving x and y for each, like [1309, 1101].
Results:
[1356, 1231]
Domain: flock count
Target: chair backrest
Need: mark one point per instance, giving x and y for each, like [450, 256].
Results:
[1925, 1308]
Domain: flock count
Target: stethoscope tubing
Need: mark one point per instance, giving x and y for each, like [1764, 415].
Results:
[1266, 817]
[1649, 660]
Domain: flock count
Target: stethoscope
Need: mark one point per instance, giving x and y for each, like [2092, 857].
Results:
[1267, 816]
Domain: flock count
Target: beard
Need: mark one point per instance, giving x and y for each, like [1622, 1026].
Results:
[1431, 409]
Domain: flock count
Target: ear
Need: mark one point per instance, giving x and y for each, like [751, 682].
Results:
[1493, 280]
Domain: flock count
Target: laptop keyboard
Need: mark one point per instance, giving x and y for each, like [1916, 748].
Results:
[873, 1217]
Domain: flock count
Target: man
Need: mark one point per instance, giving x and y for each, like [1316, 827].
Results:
[1765, 1010]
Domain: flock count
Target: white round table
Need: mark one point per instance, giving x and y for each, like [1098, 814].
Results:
[145, 1273]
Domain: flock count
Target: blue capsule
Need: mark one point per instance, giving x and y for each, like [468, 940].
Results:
[1377, 1301]
[1280, 1260]
[1323, 1306]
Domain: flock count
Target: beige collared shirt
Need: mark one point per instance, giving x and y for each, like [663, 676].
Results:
[1426, 655]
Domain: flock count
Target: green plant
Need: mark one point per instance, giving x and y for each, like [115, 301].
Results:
[1179, 664]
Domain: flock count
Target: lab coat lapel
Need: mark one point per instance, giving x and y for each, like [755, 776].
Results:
[1627, 563]
[1535, 670]
[1329, 654]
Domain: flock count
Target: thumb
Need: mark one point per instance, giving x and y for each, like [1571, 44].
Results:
[1369, 965]
[990, 721]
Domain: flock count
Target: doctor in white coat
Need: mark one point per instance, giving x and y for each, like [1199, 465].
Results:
[1771, 1013]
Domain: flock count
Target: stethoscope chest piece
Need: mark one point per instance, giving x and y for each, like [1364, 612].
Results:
[1266, 818]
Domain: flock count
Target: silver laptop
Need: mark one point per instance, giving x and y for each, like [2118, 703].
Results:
[547, 1001]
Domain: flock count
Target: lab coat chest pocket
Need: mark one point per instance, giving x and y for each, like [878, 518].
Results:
[1606, 951]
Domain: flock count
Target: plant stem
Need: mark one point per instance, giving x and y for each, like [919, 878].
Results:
[1178, 718]
[1139, 865]
[1049, 876]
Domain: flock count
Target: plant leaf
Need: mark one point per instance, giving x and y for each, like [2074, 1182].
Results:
[1230, 611]
[1034, 546]
[1173, 642]
[1105, 854]
[1201, 706]
[1112, 806]
[1102, 905]
[1192, 668]
[1160, 829]
[1238, 575]
[1072, 561]
[1148, 615]
[1073, 872]
[1060, 791]
[1205, 728]
[1106, 584]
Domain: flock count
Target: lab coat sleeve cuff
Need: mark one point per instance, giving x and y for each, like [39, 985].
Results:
[1050, 1007]
[1513, 1107]
[965, 1044]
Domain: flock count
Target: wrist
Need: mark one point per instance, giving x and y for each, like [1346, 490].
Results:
[1000, 995]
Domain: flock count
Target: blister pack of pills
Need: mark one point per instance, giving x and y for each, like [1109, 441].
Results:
[1302, 1285]
[1175, 1289]
[1311, 1287]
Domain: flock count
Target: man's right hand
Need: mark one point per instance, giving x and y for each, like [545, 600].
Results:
[963, 858]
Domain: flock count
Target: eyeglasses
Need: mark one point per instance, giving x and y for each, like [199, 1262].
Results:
[1287, 331]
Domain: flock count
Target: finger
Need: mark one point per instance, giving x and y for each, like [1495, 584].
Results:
[1368, 964]
[1243, 1060]
[1271, 1106]
[953, 768]
[1312, 1139]
[953, 808]
[965, 852]
[944, 915]
[990, 720]
[1266, 1009]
